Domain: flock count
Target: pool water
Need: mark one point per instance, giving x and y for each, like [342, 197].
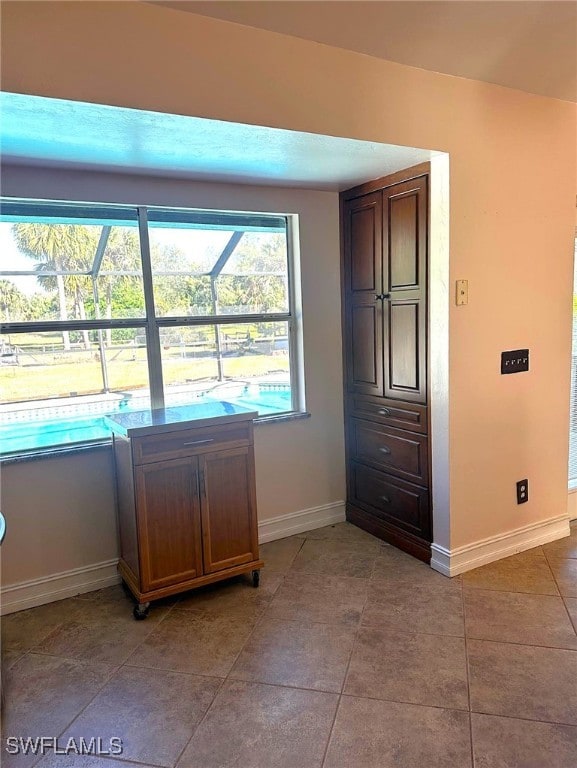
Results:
[26, 436]
[18, 437]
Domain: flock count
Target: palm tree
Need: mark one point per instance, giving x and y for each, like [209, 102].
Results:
[60, 248]
[122, 254]
[78, 286]
[12, 301]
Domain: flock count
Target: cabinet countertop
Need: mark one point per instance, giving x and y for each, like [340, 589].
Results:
[151, 422]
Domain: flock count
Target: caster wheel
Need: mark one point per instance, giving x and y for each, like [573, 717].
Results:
[141, 610]
[255, 578]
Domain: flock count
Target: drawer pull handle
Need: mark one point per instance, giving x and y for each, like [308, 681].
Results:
[199, 442]
[384, 449]
[384, 412]
[385, 499]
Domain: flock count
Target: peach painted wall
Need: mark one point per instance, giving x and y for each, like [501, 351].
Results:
[513, 169]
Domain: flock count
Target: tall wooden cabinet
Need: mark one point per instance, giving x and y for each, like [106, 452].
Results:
[384, 232]
[186, 500]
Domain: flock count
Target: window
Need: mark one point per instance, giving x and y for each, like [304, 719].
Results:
[573, 411]
[105, 308]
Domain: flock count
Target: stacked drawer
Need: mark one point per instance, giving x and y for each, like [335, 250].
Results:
[389, 462]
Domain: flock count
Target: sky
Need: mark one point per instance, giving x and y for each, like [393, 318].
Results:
[192, 242]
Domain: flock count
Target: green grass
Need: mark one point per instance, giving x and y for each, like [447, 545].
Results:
[38, 377]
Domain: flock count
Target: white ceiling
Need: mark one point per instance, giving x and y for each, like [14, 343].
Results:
[531, 46]
[52, 132]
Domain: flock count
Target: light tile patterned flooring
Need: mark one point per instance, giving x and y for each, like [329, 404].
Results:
[350, 655]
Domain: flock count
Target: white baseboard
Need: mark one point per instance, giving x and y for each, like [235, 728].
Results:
[298, 522]
[455, 561]
[58, 586]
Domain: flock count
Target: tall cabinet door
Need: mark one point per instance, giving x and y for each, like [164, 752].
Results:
[228, 508]
[363, 278]
[405, 281]
[169, 534]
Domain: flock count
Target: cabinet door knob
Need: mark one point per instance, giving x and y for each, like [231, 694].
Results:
[382, 296]
[384, 449]
[384, 412]
[385, 499]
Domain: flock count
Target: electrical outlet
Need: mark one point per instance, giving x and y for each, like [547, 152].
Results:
[522, 491]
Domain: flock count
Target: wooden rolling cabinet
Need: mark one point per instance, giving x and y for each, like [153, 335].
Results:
[186, 500]
[384, 285]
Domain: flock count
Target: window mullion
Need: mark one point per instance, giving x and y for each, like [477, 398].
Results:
[152, 330]
[166, 322]
[49, 326]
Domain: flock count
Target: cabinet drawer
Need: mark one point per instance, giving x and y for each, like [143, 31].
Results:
[393, 412]
[391, 499]
[189, 442]
[392, 450]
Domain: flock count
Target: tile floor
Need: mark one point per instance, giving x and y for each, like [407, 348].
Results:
[350, 655]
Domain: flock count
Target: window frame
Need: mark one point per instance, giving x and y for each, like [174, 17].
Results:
[151, 323]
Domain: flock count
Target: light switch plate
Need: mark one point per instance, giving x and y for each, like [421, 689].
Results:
[515, 361]
[462, 295]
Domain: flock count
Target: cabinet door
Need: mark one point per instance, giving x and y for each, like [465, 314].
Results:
[405, 280]
[169, 534]
[363, 281]
[228, 507]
